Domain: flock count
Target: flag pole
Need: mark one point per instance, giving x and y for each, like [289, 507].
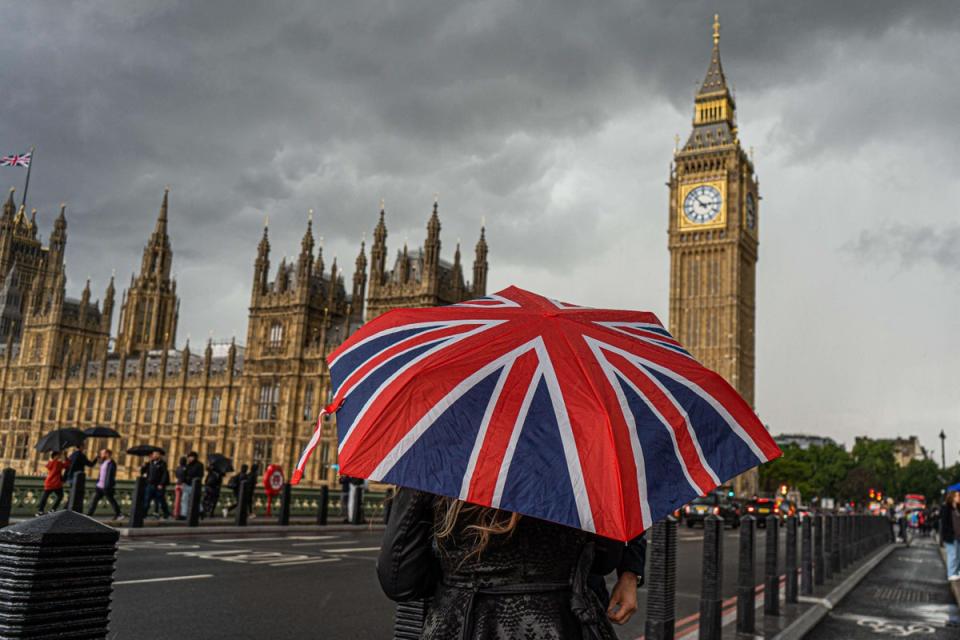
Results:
[26, 184]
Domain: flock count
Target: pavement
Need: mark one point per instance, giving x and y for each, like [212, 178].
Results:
[906, 595]
[255, 583]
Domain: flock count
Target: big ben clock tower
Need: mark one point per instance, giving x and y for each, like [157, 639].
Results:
[713, 229]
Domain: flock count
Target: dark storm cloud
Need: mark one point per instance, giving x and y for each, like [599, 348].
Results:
[249, 109]
[910, 246]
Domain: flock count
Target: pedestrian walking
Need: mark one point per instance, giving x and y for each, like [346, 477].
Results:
[211, 491]
[106, 483]
[622, 602]
[950, 534]
[53, 483]
[495, 574]
[193, 470]
[234, 485]
[77, 462]
[157, 478]
[178, 476]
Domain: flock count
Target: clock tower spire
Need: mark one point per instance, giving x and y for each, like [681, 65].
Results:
[713, 240]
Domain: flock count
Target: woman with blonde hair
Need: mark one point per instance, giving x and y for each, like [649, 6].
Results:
[950, 533]
[494, 574]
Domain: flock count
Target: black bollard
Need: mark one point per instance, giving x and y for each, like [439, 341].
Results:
[408, 620]
[746, 576]
[7, 479]
[791, 564]
[285, 505]
[57, 577]
[662, 581]
[711, 596]
[356, 517]
[827, 546]
[75, 503]
[193, 509]
[322, 505]
[835, 543]
[243, 496]
[138, 507]
[387, 506]
[818, 555]
[806, 557]
[771, 583]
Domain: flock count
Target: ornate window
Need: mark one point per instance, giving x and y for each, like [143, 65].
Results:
[52, 401]
[21, 446]
[192, 408]
[215, 409]
[267, 405]
[148, 407]
[262, 452]
[72, 406]
[171, 408]
[128, 407]
[108, 407]
[276, 335]
[91, 404]
[26, 405]
[308, 402]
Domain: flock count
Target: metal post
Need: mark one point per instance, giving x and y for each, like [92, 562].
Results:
[771, 584]
[7, 479]
[137, 507]
[818, 555]
[845, 542]
[322, 505]
[791, 564]
[711, 584]
[746, 576]
[356, 517]
[58, 577]
[76, 492]
[243, 498]
[387, 506]
[806, 557]
[834, 544]
[193, 509]
[285, 505]
[661, 581]
[827, 546]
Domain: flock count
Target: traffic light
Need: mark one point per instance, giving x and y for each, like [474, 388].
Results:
[871, 494]
[730, 493]
[783, 489]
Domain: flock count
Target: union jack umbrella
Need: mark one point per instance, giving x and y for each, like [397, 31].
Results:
[592, 418]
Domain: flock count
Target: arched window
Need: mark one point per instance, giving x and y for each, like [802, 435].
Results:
[276, 335]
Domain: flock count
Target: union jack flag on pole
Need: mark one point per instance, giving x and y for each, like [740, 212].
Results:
[17, 160]
[595, 419]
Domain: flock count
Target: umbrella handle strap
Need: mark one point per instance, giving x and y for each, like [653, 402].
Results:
[308, 451]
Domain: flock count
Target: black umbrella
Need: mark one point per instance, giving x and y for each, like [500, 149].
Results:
[101, 432]
[144, 450]
[220, 462]
[60, 439]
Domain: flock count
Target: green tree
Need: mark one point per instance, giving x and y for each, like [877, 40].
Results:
[857, 484]
[921, 476]
[876, 456]
[791, 468]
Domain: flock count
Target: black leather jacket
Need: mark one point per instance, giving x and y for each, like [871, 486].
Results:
[529, 585]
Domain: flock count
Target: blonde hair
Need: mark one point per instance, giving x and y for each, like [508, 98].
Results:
[480, 523]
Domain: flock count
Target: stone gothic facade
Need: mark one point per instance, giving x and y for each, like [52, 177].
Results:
[59, 366]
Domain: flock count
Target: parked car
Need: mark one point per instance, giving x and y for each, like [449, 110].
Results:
[760, 508]
[698, 510]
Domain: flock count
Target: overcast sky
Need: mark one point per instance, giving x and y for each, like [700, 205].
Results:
[555, 122]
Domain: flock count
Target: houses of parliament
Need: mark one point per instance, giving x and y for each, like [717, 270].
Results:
[60, 366]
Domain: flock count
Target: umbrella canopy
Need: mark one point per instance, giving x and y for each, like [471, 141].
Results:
[220, 462]
[591, 418]
[60, 439]
[954, 487]
[144, 450]
[101, 432]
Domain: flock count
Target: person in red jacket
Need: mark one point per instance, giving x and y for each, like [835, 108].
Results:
[53, 483]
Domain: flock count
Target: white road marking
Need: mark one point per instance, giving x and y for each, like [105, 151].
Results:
[271, 539]
[168, 579]
[297, 563]
[350, 550]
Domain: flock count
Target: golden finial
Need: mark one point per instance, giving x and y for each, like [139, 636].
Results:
[483, 221]
[383, 204]
[320, 241]
[436, 197]
[166, 189]
[716, 29]
[310, 215]
[266, 221]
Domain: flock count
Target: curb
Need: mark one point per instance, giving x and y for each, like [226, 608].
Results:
[150, 532]
[800, 627]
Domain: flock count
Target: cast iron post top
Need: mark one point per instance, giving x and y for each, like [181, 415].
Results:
[61, 528]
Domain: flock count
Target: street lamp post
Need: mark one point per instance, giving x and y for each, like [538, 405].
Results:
[943, 455]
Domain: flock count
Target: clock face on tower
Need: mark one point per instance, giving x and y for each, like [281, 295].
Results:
[702, 204]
